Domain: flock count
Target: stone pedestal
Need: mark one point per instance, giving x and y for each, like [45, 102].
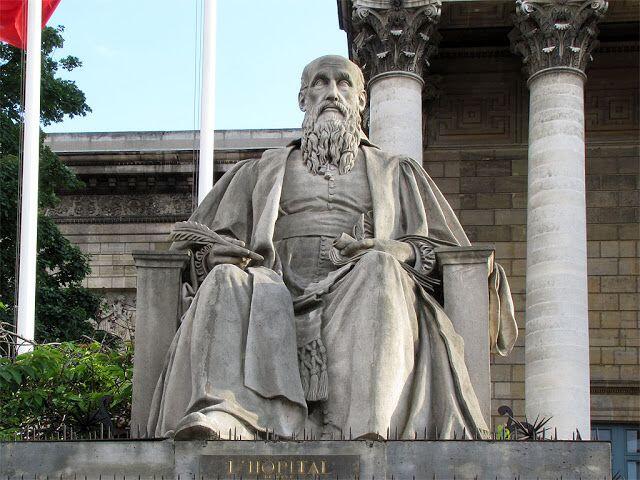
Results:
[557, 325]
[158, 306]
[304, 460]
[465, 273]
[396, 113]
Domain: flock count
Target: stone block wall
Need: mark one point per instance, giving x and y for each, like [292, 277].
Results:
[476, 151]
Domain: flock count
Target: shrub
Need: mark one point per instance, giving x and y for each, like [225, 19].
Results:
[79, 387]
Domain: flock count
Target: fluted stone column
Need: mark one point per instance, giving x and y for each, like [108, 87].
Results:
[393, 42]
[555, 39]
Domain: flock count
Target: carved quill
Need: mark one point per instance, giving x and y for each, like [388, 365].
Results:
[198, 233]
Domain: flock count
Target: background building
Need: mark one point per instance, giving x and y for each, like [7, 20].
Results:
[474, 112]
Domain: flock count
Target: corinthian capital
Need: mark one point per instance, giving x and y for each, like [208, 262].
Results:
[394, 35]
[556, 33]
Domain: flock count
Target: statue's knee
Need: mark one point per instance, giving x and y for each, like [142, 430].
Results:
[226, 273]
[375, 260]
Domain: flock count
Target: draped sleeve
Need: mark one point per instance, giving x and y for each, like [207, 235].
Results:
[419, 191]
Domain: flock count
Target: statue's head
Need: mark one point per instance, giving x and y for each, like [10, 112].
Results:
[333, 97]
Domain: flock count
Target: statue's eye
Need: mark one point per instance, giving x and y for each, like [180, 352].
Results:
[344, 83]
[319, 82]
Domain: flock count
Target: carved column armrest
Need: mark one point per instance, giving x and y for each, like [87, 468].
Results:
[475, 254]
[159, 280]
[465, 272]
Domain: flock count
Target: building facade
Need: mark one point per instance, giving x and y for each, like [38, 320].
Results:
[461, 80]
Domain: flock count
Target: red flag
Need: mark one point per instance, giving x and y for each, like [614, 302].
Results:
[13, 20]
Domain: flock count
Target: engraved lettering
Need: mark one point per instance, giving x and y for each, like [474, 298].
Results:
[271, 469]
[282, 467]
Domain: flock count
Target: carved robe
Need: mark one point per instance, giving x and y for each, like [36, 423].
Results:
[391, 358]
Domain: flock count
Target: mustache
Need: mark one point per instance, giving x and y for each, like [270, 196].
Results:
[338, 105]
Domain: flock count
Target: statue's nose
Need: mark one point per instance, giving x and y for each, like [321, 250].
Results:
[332, 92]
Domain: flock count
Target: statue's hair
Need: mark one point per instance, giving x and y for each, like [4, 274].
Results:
[306, 73]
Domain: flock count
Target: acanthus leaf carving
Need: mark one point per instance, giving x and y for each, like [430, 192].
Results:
[557, 33]
[399, 38]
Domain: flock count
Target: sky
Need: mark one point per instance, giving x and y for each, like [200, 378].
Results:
[141, 63]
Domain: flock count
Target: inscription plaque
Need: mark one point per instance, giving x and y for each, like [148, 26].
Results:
[281, 467]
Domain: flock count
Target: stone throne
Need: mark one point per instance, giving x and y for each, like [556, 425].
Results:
[464, 270]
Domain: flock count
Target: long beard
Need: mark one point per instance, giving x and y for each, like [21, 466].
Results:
[333, 142]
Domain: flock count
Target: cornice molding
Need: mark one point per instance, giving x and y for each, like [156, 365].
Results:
[399, 38]
[600, 387]
[556, 33]
[170, 219]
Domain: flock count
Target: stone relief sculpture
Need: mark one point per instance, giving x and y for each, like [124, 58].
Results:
[117, 315]
[310, 302]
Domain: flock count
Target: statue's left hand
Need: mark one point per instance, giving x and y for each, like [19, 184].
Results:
[401, 251]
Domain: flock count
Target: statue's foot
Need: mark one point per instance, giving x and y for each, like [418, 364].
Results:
[376, 437]
[209, 426]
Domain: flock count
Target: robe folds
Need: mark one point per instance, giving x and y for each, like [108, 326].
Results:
[394, 360]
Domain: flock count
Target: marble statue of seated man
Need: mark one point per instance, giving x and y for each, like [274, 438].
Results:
[311, 304]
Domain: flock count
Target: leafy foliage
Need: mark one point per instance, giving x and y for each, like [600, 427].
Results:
[524, 430]
[80, 386]
[62, 304]
[59, 97]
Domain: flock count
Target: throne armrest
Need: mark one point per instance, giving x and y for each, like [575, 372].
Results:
[159, 280]
[465, 272]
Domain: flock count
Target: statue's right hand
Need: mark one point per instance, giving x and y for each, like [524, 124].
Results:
[229, 254]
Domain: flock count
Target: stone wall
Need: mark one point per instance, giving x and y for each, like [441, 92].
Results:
[476, 150]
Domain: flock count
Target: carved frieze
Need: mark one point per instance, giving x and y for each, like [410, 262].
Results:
[122, 208]
[612, 108]
[557, 33]
[474, 109]
[396, 38]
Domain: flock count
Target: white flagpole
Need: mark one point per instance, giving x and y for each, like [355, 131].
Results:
[207, 101]
[29, 200]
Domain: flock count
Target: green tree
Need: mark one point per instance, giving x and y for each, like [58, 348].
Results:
[63, 306]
